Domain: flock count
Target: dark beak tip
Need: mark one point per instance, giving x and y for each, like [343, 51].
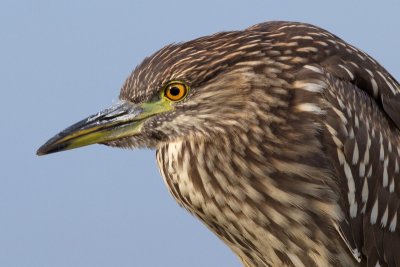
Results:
[43, 150]
[49, 148]
[40, 152]
[100, 123]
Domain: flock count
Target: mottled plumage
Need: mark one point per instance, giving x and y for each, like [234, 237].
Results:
[287, 145]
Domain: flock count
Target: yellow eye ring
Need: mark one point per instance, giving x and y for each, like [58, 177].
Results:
[175, 91]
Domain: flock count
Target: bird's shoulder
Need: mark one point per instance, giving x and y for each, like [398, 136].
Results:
[361, 140]
[300, 44]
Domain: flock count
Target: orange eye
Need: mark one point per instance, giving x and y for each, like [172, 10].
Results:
[175, 91]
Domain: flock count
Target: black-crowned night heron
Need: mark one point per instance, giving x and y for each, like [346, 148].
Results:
[282, 138]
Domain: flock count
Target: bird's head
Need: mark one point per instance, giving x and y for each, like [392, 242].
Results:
[198, 89]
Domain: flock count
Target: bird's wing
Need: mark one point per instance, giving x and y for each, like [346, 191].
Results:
[362, 140]
[362, 71]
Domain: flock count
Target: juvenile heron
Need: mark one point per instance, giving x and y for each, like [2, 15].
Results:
[282, 138]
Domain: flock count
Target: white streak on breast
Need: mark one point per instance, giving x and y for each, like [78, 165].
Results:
[391, 186]
[309, 107]
[340, 114]
[313, 68]
[361, 170]
[365, 191]
[385, 217]
[374, 212]
[385, 178]
[295, 260]
[393, 223]
[355, 154]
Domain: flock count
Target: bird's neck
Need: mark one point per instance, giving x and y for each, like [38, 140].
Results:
[254, 193]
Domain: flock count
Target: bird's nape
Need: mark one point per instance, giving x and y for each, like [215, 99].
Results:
[282, 138]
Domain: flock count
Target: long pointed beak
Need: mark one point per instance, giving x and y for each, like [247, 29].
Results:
[121, 120]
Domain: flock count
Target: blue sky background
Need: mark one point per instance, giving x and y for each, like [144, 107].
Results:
[63, 60]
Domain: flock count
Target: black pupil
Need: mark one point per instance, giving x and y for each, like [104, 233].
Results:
[174, 91]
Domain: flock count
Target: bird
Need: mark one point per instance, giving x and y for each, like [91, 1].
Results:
[282, 138]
